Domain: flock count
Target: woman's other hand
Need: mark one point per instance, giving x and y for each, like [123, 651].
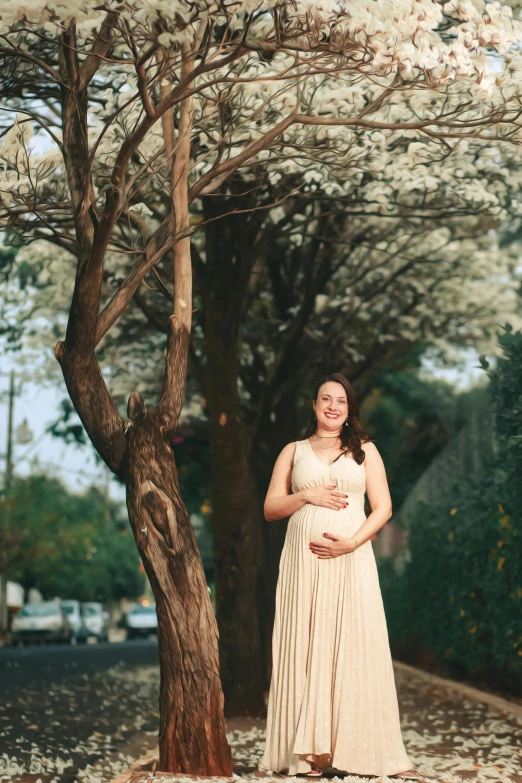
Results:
[333, 546]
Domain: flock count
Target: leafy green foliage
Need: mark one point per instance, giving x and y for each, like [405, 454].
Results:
[7, 257]
[411, 420]
[458, 601]
[193, 461]
[67, 545]
[506, 386]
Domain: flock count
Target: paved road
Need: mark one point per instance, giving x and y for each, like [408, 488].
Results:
[65, 711]
[20, 666]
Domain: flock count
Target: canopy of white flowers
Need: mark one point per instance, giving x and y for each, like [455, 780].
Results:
[265, 77]
[395, 109]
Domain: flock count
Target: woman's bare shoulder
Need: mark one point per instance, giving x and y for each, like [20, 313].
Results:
[369, 448]
[289, 449]
[287, 452]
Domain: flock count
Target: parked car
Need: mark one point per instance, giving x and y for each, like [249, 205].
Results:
[95, 620]
[74, 614]
[141, 621]
[43, 622]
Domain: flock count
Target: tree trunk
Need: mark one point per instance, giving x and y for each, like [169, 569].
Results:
[236, 509]
[192, 731]
[236, 523]
[4, 615]
[273, 436]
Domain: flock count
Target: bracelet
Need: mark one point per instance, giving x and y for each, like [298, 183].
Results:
[356, 543]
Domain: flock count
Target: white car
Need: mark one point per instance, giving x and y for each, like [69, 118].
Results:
[141, 621]
[74, 615]
[95, 620]
[43, 622]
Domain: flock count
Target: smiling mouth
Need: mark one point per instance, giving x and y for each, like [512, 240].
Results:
[332, 415]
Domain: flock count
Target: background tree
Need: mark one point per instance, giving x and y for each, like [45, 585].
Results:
[67, 545]
[126, 94]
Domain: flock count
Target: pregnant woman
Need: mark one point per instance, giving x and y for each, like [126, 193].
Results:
[333, 701]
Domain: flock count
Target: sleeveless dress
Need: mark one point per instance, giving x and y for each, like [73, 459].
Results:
[332, 697]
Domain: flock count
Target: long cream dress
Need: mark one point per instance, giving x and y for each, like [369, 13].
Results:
[332, 696]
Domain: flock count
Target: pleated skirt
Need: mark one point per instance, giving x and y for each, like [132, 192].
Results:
[332, 700]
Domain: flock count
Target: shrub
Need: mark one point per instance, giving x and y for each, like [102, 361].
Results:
[458, 602]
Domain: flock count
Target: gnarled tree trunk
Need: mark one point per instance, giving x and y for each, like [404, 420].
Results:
[192, 732]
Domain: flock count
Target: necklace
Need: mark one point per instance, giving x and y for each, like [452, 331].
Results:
[326, 436]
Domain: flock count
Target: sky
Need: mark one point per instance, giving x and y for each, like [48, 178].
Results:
[77, 467]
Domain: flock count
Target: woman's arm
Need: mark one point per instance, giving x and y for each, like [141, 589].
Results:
[378, 495]
[279, 501]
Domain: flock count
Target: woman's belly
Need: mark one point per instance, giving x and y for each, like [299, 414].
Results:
[311, 521]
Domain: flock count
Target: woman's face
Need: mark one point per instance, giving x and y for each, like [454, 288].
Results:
[331, 406]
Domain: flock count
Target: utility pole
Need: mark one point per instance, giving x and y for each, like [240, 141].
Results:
[9, 450]
[107, 498]
[4, 619]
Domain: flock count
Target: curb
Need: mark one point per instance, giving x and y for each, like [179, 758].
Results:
[500, 704]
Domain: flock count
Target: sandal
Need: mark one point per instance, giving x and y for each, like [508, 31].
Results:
[315, 772]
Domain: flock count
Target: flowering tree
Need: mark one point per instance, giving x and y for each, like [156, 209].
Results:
[163, 103]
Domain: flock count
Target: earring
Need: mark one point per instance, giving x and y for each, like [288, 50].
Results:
[346, 423]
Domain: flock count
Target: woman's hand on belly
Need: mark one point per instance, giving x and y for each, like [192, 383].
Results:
[332, 546]
[326, 495]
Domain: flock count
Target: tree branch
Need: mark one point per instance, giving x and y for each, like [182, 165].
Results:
[99, 49]
[173, 391]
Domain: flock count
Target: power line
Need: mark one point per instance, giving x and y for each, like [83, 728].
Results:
[23, 456]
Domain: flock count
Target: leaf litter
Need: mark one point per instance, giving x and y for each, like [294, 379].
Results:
[107, 720]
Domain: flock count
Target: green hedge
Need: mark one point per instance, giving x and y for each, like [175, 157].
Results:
[457, 605]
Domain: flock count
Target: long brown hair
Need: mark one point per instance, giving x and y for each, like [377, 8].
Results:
[352, 435]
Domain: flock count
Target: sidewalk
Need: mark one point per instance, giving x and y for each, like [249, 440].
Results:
[93, 728]
[449, 736]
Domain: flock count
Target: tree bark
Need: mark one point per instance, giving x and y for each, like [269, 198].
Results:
[192, 731]
[236, 524]
[236, 509]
